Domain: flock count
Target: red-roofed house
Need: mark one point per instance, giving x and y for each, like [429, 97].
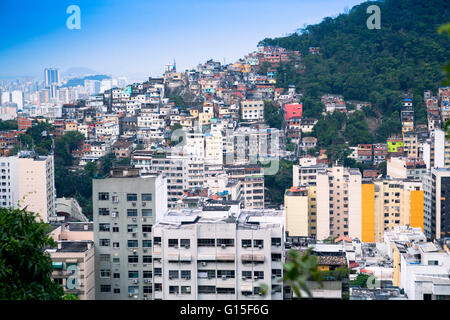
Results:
[292, 110]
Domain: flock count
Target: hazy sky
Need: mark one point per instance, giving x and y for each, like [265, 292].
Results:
[136, 38]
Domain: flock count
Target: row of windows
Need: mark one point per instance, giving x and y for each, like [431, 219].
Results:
[132, 197]
[246, 243]
[130, 243]
[106, 227]
[130, 212]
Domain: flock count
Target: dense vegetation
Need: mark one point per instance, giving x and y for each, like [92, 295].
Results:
[8, 125]
[25, 267]
[407, 53]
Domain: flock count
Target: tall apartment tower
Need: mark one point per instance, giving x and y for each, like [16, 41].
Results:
[339, 203]
[437, 203]
[126, 206]
[51, 76]
[388, 203]
[27, 180]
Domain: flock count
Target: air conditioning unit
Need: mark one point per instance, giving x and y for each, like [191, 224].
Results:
[203, 263]
[224, 277]
[244, 246]
[255, 277]
[134, 220]
[188, 290]
[144, 204]
[223, 246]
[145, 235]
[133, 204]
[134, 235]
[278, 244]
[114, 214]
[144, 219]
[130, 294]
[244, 278]
[260, 246]
[273, 276]
[134, 251]
[135, 281]
[187, 246]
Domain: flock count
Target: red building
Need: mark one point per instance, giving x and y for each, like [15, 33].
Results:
[23, 123]
[293, 110]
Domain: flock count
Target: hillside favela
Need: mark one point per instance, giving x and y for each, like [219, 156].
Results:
[307, 162]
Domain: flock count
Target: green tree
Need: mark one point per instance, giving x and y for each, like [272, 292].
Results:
[361, 280]
[25, 267]
[299, 269]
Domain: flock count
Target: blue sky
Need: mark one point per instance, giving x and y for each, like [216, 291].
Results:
[136, 38]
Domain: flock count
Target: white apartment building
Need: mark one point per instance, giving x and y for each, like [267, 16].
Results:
[126, 206]
[252, 110]
[338, 203]
[27, 180]
[425, 271]
[218, 253]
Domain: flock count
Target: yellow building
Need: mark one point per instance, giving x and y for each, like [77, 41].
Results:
[204, 118]
[389, 203]
[296, 208]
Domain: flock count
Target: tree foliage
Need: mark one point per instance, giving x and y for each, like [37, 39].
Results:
[371, 65]
[25, 267]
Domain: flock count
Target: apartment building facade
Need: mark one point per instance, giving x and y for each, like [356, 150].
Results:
[126, 206]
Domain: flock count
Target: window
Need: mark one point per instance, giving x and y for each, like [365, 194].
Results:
[225, 290]
[173, 274]
[276, 242]
[146, 212]
[116, 260]
[115, 229]
[147, 289]
[146, 228]
[147, 274]
[105, 273]
[185, 242]
[276, 256]
[276, 272]
[133, 289]
[433, 262]
[147, 259]
[157, 241]
[158, 272]
[258, 274]
[133, 259]
[210, 274]
[174, 289]
[246, 274]
[103, 196]
[116, 275]
[103, 227]
[225, 273]
[206, 242]
[116, 245]
[104, 242]
[146, 197]
[131, 197]
[105, 258]
[226, 242]
[133, 274]
[258, 243]
[158, 286]
[132, 243]
[103, 211]
[116, 290]
[186, 274]
[246, 243]
[132, 228]
[131, 212]
[173, 243]
[105, 288]
[207, 289]
[146, 243]
[185, 290]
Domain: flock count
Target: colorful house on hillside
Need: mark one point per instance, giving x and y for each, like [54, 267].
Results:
[293, 110]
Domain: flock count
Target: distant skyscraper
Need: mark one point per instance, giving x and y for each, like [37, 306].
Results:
[51, 76]
[6, 97]
[17, 98]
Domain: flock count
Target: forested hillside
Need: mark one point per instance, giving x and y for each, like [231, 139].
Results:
[376, 65]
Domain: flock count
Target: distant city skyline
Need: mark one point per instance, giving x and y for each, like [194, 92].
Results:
[136, 39]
